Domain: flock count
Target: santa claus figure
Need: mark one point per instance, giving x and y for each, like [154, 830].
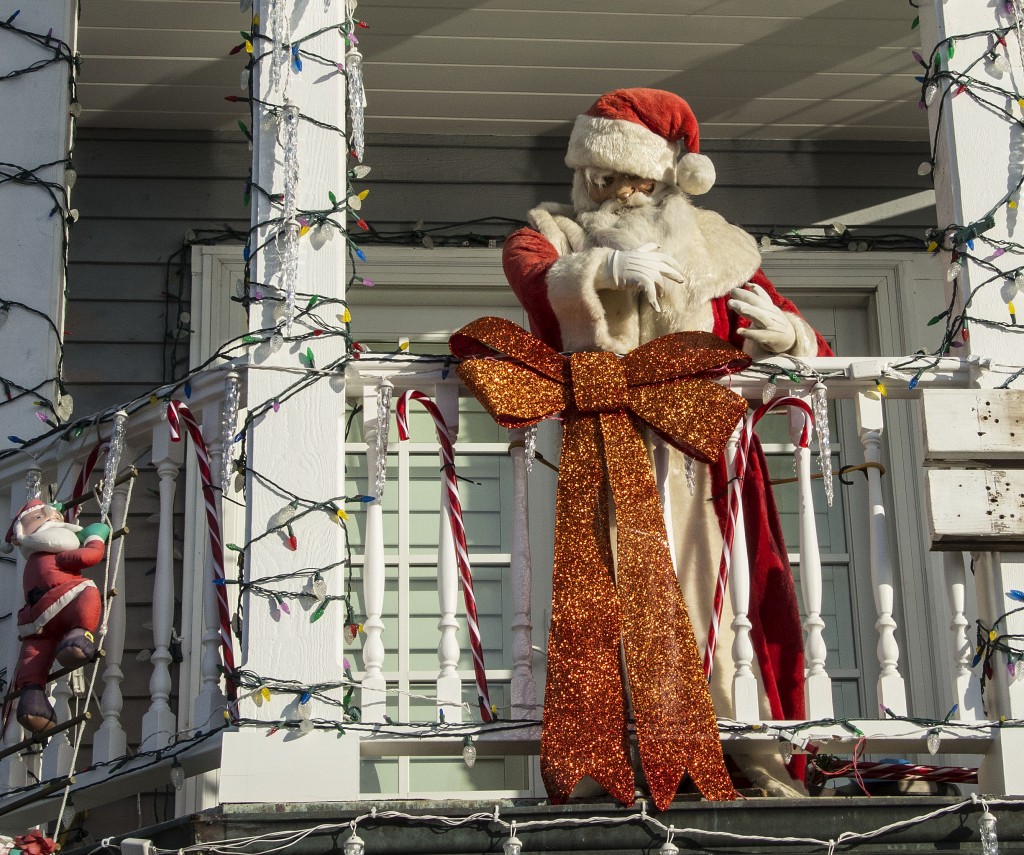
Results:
[62, 608]
[631, 259]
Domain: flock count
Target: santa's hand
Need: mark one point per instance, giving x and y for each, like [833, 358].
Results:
[769, 326]
[644, 270]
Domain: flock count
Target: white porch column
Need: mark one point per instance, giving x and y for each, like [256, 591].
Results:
[977, 161]
[36, 132]
[300, 447]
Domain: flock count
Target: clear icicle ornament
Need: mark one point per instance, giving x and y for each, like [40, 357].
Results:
[227, 428]
[770, 390]
[384, 390]
[114, 451]
[356, 101]
[288, 237]
[280, 36]
[33, 484]
[690, 467]
[987, 830]
[819, 404]
[530, 446]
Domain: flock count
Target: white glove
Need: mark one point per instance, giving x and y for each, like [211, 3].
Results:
[644, 270]
[769, 326]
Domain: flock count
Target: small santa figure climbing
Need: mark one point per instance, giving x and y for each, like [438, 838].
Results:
[62, 608]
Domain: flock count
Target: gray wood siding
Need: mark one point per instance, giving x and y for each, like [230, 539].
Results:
[139, 192]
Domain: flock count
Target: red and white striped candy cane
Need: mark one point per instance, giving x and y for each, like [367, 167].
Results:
[735, 495]
[82, 481]
[177, 412]
[914, 772]
[458, 533]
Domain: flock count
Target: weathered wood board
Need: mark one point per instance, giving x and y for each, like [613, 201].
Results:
[984, 425]
[976, 509]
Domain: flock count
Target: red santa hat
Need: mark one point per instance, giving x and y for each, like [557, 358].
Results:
[16, 531]
[641, 132]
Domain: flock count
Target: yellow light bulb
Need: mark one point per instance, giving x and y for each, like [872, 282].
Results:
[248, 46]
[346, 317]
[362, 196]
[303, 230]
[341, 514]
[265, 693]
[880, 386]
[932, 246]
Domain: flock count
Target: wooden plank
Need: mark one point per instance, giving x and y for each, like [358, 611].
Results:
[489, 78]
[692, 27]
[976, 509]
[726, 8]
[136, 241]
[90, 322]
[222, 71]
[163, 198]
[145, 282]
[209, 15]
[984, 425]
[527, 128]
[728, 57]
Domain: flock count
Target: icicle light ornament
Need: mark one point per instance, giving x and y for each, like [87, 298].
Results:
[33, 483]
[228, 420]
[280, 35]
[288, 236]
[819, 403]
[384, 390]
[356, 101]
[114, 451]
[530, 446]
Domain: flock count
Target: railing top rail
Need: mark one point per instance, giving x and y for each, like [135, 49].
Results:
[845, 377]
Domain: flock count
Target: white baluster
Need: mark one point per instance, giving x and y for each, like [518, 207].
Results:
[524, 685]
[159, 723]
[965, 684]
[891, 690]
[210, 701]
[818, 685]
[744, 682]
[661, 476]
[13, 770]
[110, 740]
[373, 686]
[58, 752]
[449, 683]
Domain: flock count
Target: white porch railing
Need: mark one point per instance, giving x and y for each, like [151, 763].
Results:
[187, 734]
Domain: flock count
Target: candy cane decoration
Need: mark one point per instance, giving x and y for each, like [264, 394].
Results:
[458, 533]
[735, 495]
[177, 412]
[82, 481]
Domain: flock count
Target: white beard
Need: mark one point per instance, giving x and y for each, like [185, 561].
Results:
[51, 537]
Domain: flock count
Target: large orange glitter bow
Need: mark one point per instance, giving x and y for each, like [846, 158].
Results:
[600, 599]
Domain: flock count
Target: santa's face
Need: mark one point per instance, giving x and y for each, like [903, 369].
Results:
[44, 530]
[594, 188]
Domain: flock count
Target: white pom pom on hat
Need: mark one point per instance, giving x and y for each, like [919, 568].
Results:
[641, 132]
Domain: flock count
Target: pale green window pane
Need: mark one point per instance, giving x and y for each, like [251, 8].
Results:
[356, 483]
[495, 633]
[774, 427]
[837, 612]
[846, 699]
[829, 522]
[451, 774]
[475, 424]
[378, 775]
[490, 478]
[389, 617]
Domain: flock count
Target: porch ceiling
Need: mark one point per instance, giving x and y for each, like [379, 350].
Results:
[789, 69]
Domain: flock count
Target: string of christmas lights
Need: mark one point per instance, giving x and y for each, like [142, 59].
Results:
[970, 243]
[55, 407]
